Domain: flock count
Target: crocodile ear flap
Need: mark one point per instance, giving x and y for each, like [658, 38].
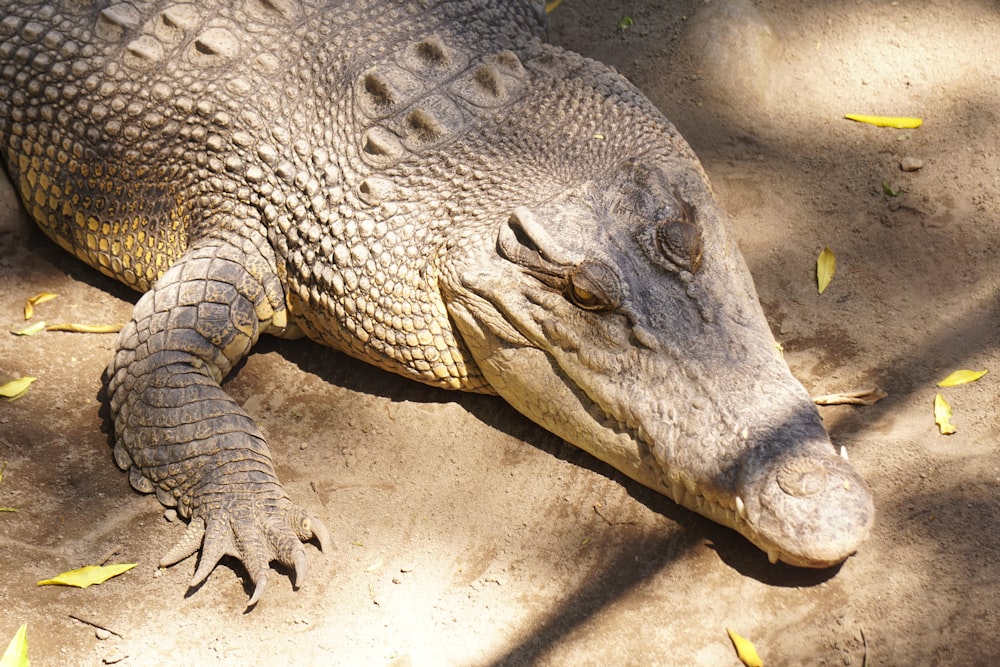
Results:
[675, 229]
[679, 239]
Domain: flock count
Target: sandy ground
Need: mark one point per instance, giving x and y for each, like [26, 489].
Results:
[465, 535]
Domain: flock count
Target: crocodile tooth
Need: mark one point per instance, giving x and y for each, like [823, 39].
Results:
[741, 508]
[678, 493]
[843, 452]
[772, 555]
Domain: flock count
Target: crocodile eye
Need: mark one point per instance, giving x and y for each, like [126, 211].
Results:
[583, 298]
[593, 286]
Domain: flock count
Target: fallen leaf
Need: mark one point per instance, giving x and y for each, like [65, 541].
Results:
[551, 6]
[85, 328]
[899, 122]
[745, 650]
[826, 266]
[16, 654]
[942, 415]
[29, 305]
[30, 330]
[15, 389]
[862, 397]
[961, 377]
[88, 576]
[886, 188]
[625, 23]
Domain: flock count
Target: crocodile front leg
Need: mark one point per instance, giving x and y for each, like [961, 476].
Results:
[181, 436]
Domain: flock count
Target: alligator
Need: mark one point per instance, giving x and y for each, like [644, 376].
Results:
[428, 186]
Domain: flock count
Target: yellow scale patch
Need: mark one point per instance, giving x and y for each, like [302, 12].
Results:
[119, 246]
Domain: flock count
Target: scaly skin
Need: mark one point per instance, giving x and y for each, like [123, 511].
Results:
[430, 188]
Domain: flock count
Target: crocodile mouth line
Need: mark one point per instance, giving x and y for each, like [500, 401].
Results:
[730, 511]
[727, 510]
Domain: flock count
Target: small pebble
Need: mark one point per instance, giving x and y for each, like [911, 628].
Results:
[102, 633]
[170, 515]
[910, 164]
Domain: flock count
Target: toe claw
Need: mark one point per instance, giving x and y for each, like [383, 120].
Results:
[322, 535]
[258, 590]
[213, 548]
[189, 543]
[300, 566]
[205, 567]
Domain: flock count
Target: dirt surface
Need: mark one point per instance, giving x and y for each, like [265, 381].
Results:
[465, 535]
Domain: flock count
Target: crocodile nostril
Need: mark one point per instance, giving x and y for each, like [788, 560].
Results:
[801, 477]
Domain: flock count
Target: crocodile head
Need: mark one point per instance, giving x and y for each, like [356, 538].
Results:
[618, 315]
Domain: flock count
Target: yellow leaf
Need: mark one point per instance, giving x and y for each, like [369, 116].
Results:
[899, 122]
[15, 389]
[745, 650]
[961, 377]
[30, 330]
[89, 575]
[826, 266]
[942, 415]
[29, 305]
[16, 654]
[85, 328]
[551, 6]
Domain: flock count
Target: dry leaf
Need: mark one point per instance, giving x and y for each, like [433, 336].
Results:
[961, 377]
[551, 6]
[30, 330]
[745, 650]
[89, 575]
[862, 397]
[16, 654]
[899, 122]
[85, 328]
[15, 389]
[826, 266]
[942, 415]
[29, 305]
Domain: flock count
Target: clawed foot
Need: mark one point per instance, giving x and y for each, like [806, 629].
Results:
[257, 531]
